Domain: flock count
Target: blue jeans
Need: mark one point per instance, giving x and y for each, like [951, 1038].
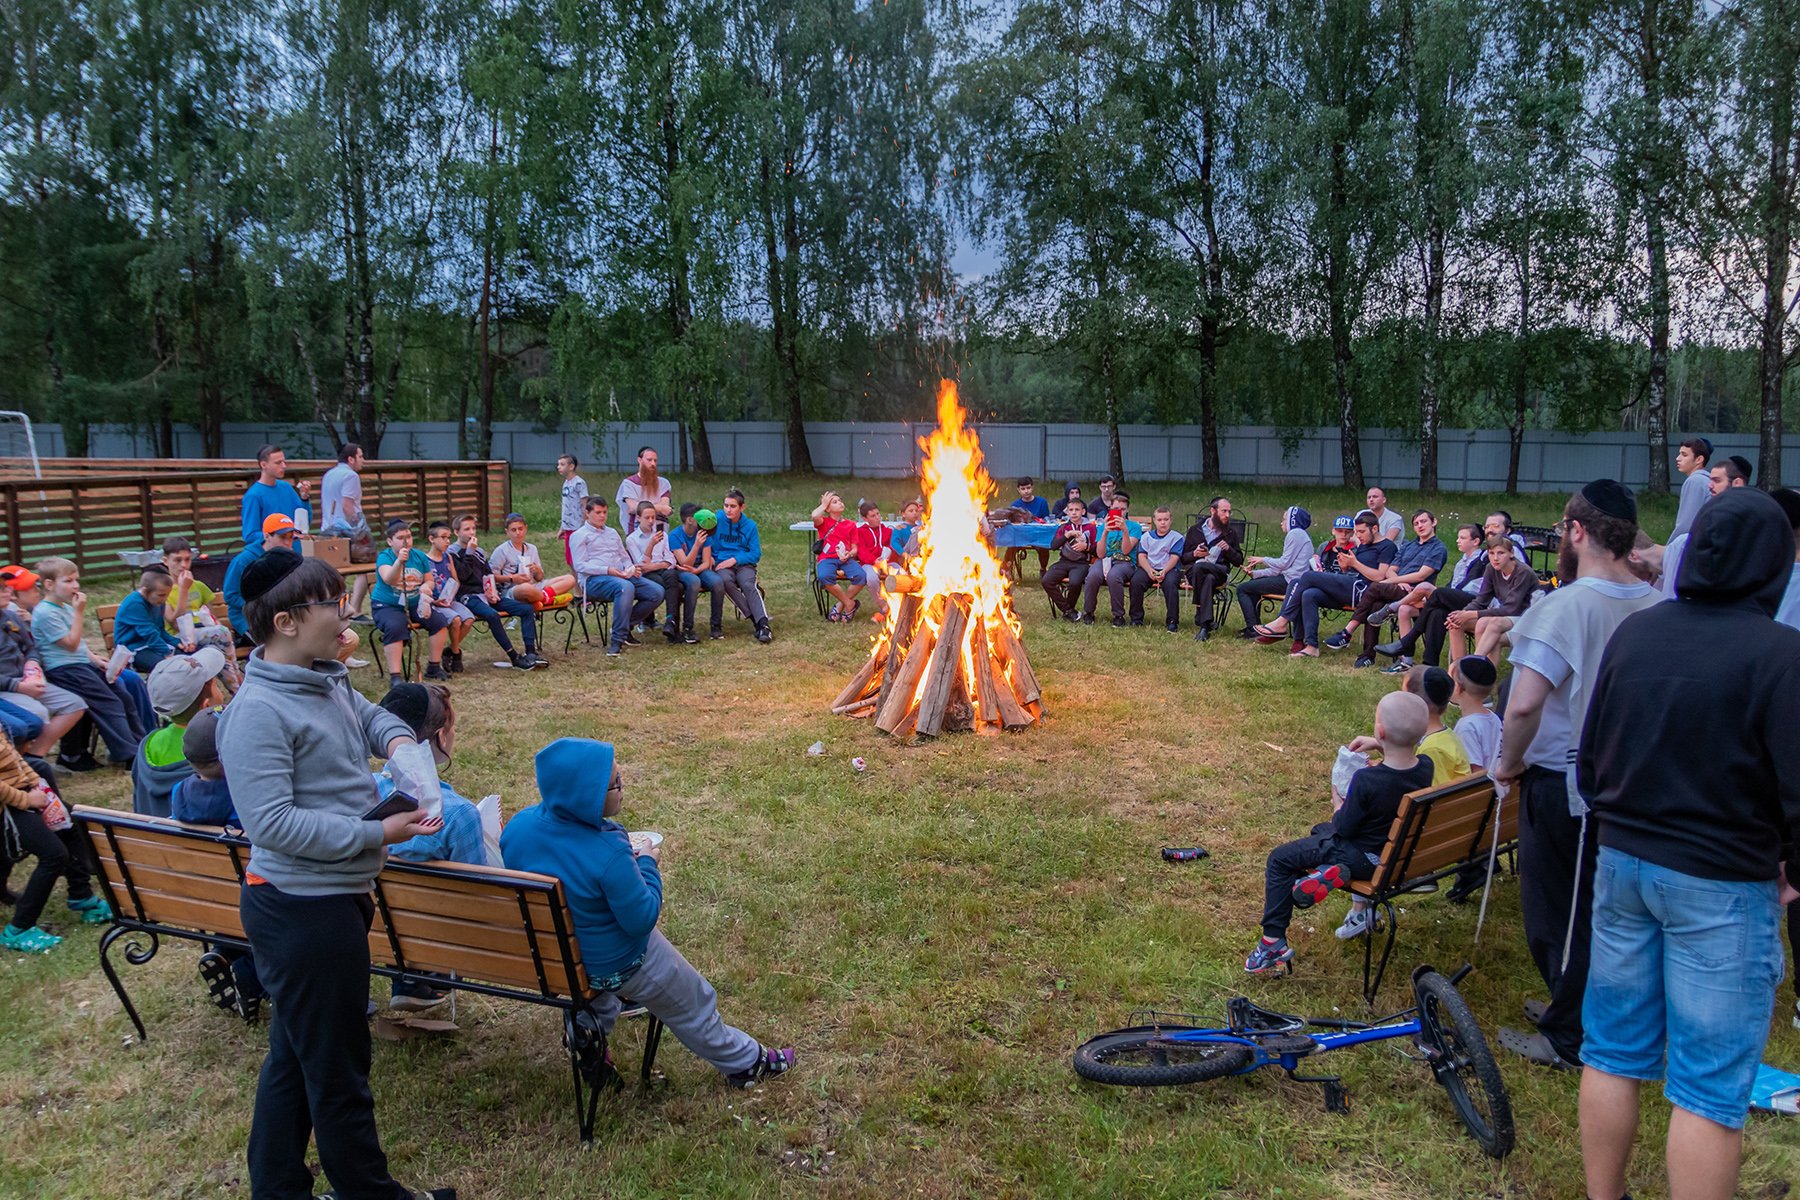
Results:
[19, 725]
[828, 570]
[632, 600]
[1683, 969]
[484, 611]
[1314, 590]
[710, 583]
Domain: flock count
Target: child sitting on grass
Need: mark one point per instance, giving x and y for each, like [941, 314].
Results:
[1303, 872]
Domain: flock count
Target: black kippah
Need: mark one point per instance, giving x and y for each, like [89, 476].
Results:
[411, 703]
[268, 571]
[1789, 499]
[1612, 498]
[1477, 670]
[1437, 686]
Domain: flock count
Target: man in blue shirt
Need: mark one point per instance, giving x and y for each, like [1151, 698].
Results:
[272, 494]
[1037, 509]
[737, 548]
[1418, 561]
[277, 533]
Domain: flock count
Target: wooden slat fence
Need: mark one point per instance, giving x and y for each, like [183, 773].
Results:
[89, 516]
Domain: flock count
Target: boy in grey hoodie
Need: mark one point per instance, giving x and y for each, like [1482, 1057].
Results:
[295, 743]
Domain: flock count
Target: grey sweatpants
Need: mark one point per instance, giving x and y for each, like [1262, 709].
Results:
[672, 990]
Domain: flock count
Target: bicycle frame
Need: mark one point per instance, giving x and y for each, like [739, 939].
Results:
[1289, 1060]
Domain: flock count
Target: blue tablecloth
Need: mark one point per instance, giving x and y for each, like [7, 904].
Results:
[1024, 535]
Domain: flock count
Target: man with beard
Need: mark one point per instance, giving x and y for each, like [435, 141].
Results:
[1210, 549]
[1557, 647]
[645, 485]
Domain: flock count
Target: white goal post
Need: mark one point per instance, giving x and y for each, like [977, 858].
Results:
[17, 440]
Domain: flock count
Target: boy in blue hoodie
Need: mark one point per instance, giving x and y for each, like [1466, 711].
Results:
[615, 895]
[737, 548]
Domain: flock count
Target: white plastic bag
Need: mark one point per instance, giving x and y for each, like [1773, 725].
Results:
[115, 666]
[1348, 763]
[414, 772]
[184, 624]
[489, 808]
[300, 518]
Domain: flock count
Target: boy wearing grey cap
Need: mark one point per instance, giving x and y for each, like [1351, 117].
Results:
[180, 686]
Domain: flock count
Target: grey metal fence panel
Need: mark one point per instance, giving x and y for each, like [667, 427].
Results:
[1469, 459]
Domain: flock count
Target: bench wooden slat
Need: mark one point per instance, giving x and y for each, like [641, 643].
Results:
[168, 855]
[488, 966]
[147, 879]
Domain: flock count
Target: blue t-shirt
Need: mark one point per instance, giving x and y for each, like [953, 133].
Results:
[263, 500]
[1037, 506]
[1415, 554]
[381, 592]
[233, 586]
[1113, 544]
[50, 621]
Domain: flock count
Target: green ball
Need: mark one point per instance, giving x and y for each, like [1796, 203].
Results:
[706, 519]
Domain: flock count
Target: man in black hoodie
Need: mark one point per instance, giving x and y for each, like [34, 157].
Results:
[1692, 798]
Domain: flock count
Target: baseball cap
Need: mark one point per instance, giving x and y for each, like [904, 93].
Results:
[200, 740]
[706, 518]
[278, 523]
[179, 679]
[1342, 522]
[18, 578]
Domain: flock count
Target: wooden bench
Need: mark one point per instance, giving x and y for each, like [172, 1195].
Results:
[1436, 833]
[494, 932]
[107, 613]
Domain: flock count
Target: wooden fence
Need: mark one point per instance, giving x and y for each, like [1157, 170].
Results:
[88, 510]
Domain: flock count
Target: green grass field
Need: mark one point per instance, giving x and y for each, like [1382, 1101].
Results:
[935, 936]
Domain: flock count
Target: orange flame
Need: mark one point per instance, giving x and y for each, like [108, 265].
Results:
[955, 556]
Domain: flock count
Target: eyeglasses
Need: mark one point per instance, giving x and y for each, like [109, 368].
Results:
[341, 603]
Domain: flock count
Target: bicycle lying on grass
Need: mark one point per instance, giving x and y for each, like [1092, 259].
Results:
[1170, 1049]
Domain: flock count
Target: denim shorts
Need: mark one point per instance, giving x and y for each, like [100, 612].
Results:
[395, 623]
[828, 568]
[1684, 969]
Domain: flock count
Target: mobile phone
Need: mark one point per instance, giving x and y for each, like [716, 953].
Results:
[399, 802]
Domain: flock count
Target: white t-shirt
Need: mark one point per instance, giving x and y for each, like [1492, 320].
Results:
[1159, 548]
[648, 547]
[342, 483]
[1557, 733]
[506, 560]
[1391, 525]
[1479, 732]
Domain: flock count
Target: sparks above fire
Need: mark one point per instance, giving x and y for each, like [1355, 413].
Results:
[949, 655]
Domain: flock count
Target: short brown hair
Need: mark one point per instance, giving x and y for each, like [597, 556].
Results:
[1614, 534]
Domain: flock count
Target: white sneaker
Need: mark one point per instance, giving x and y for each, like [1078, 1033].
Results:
[354, 662]
[1356, 924]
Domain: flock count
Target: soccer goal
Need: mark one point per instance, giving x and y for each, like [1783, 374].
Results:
[18, 446]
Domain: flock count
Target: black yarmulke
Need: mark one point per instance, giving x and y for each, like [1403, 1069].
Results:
[1612, 498]
[411, 703]
[269, 570]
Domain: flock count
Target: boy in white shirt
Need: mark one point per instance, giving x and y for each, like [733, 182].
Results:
[574, 495]
[1158, 565]
[650, 553]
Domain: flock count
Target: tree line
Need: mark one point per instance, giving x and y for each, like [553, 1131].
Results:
[1518, 213]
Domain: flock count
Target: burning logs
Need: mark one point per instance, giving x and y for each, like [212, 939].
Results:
[941, 670]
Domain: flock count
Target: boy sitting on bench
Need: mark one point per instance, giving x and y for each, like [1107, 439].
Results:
[1303, 872]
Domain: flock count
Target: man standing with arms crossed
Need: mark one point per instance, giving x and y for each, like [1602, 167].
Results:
[1557, 646]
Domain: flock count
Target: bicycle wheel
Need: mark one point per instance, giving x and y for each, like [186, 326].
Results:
[1462, 1062]
[1143, 1057]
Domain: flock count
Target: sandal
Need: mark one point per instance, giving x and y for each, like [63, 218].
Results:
[1535, 1010]
[1274, 635]
[215, 972]
[1535, 1047]
[29, 941]
[93, 911]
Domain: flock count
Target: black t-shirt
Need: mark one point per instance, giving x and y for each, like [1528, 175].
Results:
[1374, 799]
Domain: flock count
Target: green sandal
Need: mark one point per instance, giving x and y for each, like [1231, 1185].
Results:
[29, 941]
[93, 911]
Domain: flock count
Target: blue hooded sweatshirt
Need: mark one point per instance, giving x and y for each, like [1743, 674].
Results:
[614, 895]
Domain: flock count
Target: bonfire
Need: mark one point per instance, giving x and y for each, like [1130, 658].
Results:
[949, 656]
